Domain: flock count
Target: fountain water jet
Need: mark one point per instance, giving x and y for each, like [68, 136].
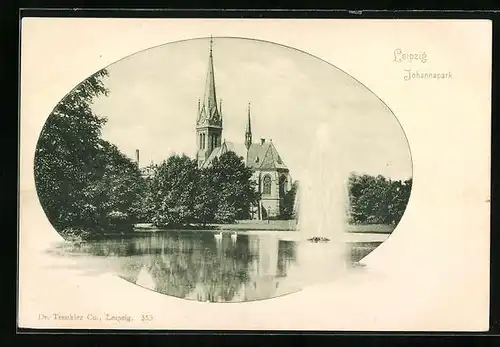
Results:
[323, 206]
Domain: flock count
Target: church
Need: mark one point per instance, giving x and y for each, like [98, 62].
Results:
[271, 175]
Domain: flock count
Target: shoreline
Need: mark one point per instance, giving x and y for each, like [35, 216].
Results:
[273, 226]
[283, 229]
[349, 237]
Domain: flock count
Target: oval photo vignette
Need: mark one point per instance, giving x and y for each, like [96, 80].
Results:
[222, 170]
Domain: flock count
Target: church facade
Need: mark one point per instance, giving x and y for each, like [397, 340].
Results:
[271, 175]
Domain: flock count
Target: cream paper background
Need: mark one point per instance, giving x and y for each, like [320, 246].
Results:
[432, 274]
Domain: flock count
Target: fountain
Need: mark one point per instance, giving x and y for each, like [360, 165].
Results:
[323, 205]
[323, 192]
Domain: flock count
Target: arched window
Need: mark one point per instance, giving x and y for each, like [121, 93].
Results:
[201, 141]
[266, 185]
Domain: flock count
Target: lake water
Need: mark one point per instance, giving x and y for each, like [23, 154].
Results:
[197, 266]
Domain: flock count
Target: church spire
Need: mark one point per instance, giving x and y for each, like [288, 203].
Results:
[248, 132]
[210, 98]
[209, 121]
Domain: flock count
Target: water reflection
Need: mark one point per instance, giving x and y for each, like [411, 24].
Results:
[197, 266]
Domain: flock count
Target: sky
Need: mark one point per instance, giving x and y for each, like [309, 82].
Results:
[153, 101]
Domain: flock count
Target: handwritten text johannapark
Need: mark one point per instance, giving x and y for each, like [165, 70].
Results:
[415, 74]
[418, 57]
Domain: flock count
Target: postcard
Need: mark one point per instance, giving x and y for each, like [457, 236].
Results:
[254, 174]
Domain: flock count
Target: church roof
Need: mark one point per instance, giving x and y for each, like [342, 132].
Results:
[239, 149]
[267, 155]
[259, 157]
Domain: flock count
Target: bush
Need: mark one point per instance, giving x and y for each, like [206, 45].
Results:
[75, 235]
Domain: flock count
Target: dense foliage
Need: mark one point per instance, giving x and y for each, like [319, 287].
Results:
[180, 193]
[85, 185]
[288, 202]
[377, 200]
[234, 191]
[172, 191]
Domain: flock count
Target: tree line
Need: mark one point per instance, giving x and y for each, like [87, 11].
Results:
[178, 193]
[377, 200]
[86, 186]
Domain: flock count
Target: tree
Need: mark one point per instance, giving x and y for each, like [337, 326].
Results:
[146, 199]
[288, 203]
[85, 184]
[235, 191]
[116, 191]
[205, 206]
[179, 193]
[401, 198]
[66, 153]
[173, 190]
[377, 200]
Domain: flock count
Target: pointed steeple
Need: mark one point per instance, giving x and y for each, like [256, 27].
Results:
[248, 132]
[209, 107]
[209, 120]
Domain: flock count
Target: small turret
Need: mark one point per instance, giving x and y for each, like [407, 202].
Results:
[248, 132]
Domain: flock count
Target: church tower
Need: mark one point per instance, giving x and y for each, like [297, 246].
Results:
[248, 131]
[209, 120]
